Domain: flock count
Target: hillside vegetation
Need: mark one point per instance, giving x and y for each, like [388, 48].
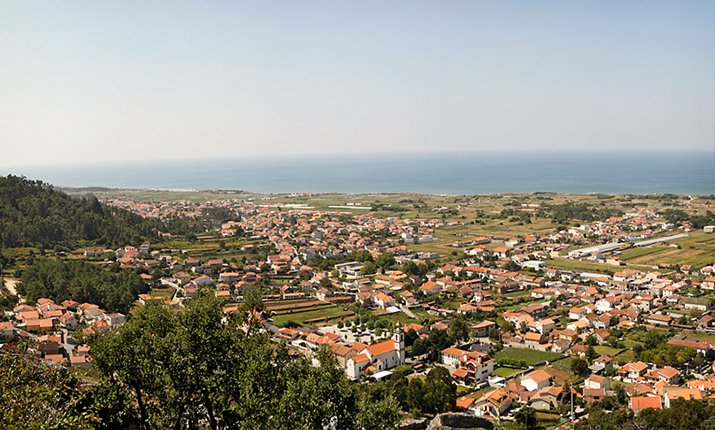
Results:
[32, 213]
[82, 282]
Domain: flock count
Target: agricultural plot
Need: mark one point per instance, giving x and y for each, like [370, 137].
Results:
[310, 315]
[531, 356]
[505, 372]
[607, 350]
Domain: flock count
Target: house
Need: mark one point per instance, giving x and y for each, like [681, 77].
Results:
[431, 288]
[7, 329]
[493, 404]
[419, 329]
[536, 380]
[633, 371]
[81, 361]
[547, 398]
[667, 374]
[68, 321]
[659, 319]
[593, 395]
[544, 326]
[383, 300]
[602, 336]
[640, 403]
[534, 340]
[452, 356]
[704, 348]
[482, 329]
[474, 367]
[698, 304]
[681, 393]
[536, 310]
[595, 382]
[604, 362]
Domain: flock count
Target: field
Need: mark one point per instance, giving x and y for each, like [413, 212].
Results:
[606, 350]
[698, 250]
[309, 314]
[505, 371]
[531, 356]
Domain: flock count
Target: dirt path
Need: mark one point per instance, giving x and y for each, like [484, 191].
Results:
[10, 285]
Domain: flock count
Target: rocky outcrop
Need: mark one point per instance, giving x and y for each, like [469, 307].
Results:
[412, 424]
[450, 421]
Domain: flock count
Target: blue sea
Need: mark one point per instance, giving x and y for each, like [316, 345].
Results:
[680, 172]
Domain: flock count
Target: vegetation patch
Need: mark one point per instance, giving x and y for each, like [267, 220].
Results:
[530, 356]
[505, 372]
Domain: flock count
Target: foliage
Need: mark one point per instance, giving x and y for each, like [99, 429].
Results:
[32, 213]
[183, 369]
[82, 282]
[512, 362]
[526, 416]
[36, 395]
[682, 415]
[579, 366]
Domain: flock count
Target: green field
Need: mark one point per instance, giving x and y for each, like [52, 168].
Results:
[505, 371]
[607, 350]
[305, 318]
[531, 356]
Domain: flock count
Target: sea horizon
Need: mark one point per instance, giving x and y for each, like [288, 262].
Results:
[461, 173]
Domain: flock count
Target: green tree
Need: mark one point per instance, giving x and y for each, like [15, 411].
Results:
[579, 366]
[179, 370]
[526, 416]
[385, 260]
[458, 330]
[440, 391]
[36, 396]
[368, 268]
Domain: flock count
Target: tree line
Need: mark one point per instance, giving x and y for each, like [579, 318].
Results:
[82, 282]
[199, 368]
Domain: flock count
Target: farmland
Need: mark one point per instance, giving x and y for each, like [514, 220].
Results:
[531, 356]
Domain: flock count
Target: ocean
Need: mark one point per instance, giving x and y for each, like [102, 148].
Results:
[678, 172]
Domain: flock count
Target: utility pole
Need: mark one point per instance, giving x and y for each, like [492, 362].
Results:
[573, 416]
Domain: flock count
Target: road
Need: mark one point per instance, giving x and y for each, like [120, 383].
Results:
[408, 312]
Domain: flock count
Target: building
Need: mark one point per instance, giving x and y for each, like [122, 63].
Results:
[536, 380]
[378, 357]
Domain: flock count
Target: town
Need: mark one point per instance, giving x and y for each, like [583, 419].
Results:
[552, 317]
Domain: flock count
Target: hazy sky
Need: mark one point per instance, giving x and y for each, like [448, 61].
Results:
[86, 81]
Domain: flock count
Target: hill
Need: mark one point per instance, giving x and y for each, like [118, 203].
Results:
[33, 213]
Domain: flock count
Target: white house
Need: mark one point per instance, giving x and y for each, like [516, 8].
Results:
[537, 380]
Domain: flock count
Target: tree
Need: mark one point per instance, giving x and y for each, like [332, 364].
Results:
[420, 347]
[527, 416]
[458, 330]
[36, 396]
[201, 368]
[495, 334]
[410, 337]
[579, 366]
[385, 260]
[368, 268]
[591, 353]
[439, 391]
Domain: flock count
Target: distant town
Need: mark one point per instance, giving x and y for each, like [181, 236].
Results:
[545, 302]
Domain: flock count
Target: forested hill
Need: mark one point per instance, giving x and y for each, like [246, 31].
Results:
[32, 213]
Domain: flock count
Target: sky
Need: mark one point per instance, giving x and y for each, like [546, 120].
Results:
[83, 82]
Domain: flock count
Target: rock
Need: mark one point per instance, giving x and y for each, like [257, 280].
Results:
[459, 421]
[412, 424]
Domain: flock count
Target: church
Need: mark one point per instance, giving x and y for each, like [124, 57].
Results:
[378, 357]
